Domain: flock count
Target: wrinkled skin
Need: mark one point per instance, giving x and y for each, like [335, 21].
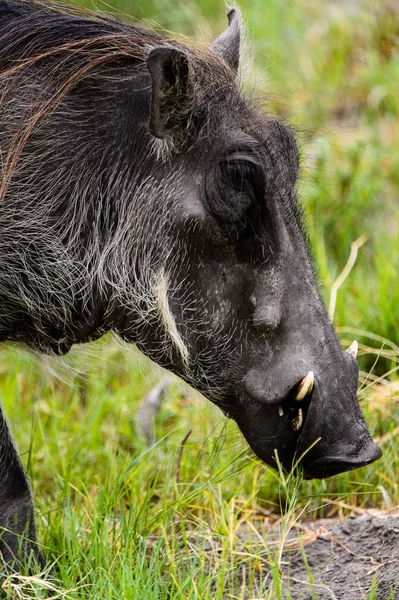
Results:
[165, 212]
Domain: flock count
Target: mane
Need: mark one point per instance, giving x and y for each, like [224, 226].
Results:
[64, 46]
[73, 179]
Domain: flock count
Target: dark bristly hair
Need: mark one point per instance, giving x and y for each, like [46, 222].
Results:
[68, 46]
[67, 81]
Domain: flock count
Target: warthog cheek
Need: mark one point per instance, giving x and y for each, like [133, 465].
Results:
[168, 320]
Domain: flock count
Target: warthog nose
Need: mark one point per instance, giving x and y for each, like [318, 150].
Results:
[333, 464]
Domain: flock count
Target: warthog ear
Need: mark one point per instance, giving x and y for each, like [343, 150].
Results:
[227, 45]
[172, 91]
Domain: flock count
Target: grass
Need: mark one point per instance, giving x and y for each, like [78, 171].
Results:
[191, 516]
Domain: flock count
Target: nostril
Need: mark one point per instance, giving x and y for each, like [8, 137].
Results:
[266, 317]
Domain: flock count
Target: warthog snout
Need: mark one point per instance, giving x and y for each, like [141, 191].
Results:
[317, 421]
[334, 436]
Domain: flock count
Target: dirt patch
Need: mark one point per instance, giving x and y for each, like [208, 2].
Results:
[346, 560]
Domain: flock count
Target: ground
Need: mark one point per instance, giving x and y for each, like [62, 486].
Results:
[347, 559]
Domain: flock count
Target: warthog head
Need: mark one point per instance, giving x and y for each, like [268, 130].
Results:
[237, 298]
[155, 200]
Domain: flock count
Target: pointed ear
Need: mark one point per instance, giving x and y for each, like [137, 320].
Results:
[227, 45]
[172, 96]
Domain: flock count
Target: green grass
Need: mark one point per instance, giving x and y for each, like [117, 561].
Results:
[119, 520]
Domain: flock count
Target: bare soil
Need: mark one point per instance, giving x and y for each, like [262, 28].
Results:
[346, 559]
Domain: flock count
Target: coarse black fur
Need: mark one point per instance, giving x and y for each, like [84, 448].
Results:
[142, 193]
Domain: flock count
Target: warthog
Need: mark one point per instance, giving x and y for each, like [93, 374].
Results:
[142, 193]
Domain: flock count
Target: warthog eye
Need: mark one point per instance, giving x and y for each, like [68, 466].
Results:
[240, 174]
[235, 195]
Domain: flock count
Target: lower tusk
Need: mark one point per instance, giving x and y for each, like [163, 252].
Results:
[305, 387]
[296, 424]
[353, 348]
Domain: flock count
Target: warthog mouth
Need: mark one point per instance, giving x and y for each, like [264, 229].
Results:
[317, 460]
[313, 422]
[328, 466]
[321, 458]
[294, 407]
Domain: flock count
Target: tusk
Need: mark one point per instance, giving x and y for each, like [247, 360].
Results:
[306, 386]
[297, 422]
[353, 348]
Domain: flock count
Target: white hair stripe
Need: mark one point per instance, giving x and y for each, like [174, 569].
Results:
[162, 288]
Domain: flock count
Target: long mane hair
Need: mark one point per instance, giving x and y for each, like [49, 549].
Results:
[78, 222]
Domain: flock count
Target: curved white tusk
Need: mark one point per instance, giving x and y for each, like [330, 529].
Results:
[353, 348]
[297, 422]
[305, 387]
